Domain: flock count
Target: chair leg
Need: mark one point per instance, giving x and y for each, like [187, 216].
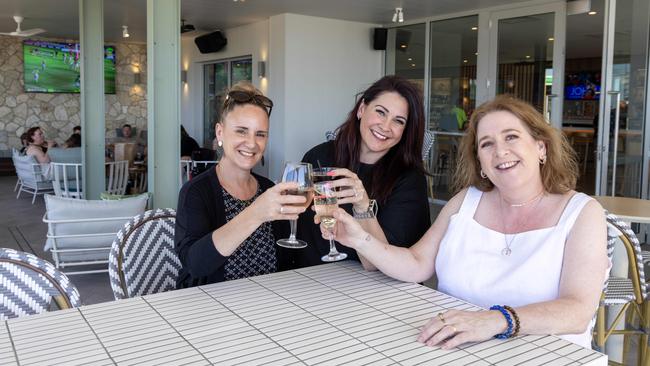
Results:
[20, 190]
[600, 328]
[34, 197]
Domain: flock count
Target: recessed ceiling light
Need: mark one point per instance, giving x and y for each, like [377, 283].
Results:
[464, 61]
[551, 39]
[527, 56]
[475, 53]
[474, 28]
[592, 12]
[410, 59]
[413, 65]
[402, 46]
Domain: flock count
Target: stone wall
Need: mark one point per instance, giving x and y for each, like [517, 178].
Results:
[58, 113]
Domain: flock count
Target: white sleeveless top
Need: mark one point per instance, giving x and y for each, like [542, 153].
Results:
[470, 266]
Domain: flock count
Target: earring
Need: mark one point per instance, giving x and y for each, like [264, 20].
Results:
[220, 143]
[542, 160]
[483, 175]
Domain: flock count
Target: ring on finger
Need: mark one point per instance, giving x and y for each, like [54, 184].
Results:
[282, 210]
[442, 319]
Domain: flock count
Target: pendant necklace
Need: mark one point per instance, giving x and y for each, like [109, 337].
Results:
[506, 251]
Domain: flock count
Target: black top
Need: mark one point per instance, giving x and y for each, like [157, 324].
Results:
[404, 216]
[201, 210]
[188, 144]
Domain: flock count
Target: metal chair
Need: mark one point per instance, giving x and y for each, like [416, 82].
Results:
[118, 177]
[29, 285]
[67, 180]
[14, 154]
[142, 259]
[32, 175]
[627, 292]
[185, 172]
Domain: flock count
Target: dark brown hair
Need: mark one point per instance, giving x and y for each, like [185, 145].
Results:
[404, 156]
[559, 173]
[31, 133]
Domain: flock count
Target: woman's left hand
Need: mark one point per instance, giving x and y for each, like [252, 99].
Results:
[454, 327]
[351, 189]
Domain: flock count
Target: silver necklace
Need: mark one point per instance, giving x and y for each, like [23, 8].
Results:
[506, 251]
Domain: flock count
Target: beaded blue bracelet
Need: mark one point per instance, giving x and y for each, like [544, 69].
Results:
[506, 314]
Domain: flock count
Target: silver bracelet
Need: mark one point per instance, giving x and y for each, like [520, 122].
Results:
[369, 213]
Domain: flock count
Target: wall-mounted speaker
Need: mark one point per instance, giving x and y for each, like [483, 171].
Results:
[379, 39]
[211, 42]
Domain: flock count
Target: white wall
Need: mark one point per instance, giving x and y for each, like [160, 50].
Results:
[317, 66]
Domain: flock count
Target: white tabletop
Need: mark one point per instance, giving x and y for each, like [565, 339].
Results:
[326, 315]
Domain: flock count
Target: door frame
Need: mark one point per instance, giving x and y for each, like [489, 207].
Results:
[559, 35]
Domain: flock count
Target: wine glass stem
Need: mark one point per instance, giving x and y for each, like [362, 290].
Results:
[333, 250]
[292, 223]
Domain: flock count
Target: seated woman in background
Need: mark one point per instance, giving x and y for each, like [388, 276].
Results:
[516, 234]
[226, 224]
[188, 145]
[37, 145]
[378, 151]
[73, 141]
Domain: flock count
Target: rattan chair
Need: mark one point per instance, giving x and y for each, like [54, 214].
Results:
[627, 292]
[30, 285]
[142, 259]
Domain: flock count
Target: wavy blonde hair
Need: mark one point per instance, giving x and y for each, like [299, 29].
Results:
[559, 174]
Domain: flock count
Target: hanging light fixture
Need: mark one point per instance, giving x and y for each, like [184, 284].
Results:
[398, 16]
[125, 32]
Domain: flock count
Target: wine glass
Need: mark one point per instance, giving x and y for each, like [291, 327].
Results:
[325, 203]
[302, 174]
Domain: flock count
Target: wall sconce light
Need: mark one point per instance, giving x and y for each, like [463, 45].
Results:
[136, 77]
[184, 76]
[125, 31]
[261, 69]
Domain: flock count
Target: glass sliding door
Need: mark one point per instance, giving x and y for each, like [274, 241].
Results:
[405, 53]
[452, 94]
[621, 128]
[526, 58]
[217, 78]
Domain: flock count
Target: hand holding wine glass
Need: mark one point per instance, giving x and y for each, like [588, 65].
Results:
[300, 173]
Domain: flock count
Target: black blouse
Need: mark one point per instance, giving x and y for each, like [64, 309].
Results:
[404, 217]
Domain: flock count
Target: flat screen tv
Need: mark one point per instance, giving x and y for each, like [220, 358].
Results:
[53, 67]
[582, 85]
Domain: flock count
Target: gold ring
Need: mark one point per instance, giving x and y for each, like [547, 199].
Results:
[282, 210]
[442, 319]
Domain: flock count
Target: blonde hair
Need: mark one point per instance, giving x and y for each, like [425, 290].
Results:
[559, 173]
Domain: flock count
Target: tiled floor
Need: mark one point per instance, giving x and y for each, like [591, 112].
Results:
[22, 228]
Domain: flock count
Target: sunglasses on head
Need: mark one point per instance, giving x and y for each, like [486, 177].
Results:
[242, 97]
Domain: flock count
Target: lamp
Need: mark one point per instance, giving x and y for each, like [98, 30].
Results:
[261, 69]
[125, 32]
[398, 16]
[183, 76]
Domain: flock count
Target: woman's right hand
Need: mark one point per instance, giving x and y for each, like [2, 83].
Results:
[274, 204]
[347, 231]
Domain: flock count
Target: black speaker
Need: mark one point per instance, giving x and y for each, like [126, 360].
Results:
[379, 39]
[211, 42]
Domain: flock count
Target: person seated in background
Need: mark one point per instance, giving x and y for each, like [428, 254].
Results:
[73, 141]
[24, 143]
[37, 146]
[229, 218]
[378, 156]
[188, 145]
[516, 233]
[76, 130]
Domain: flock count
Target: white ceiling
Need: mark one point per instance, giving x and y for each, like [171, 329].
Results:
[61, 17]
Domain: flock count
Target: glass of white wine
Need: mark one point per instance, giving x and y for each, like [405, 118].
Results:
[302, 174]
[325, 204]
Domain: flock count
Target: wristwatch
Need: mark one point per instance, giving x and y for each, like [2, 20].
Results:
[369, 213]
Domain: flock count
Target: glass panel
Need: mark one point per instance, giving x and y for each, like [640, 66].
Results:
[524, 55]
[453, 93]
[406, 51]
[582, 83]
[241, 70]
[629, 77]
[216, 82]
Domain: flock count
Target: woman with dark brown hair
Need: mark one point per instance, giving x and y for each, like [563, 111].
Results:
[517, 238]
[380, 175]
[37, 146]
